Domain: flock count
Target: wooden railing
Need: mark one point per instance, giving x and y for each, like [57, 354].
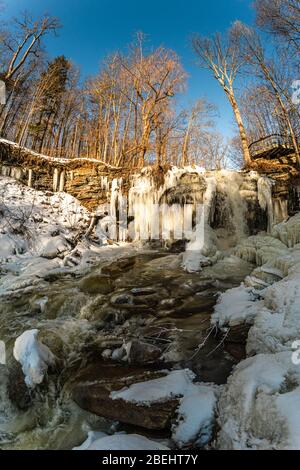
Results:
[273, 144]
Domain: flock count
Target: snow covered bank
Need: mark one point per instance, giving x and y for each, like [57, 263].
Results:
[259, 406]
[40, 233]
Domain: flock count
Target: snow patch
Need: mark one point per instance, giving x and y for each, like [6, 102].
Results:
[34, 357]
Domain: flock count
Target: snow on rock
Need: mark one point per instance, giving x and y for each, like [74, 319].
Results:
[235, 306]
[91, 438]
[200, 249]
[259, 406]
[260, 249]
[120, 442]
[39, 235]
[34, 357]
[277, 324]
[196, 409]
[288, 232]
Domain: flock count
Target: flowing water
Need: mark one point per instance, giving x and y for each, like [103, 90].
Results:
[80, 316]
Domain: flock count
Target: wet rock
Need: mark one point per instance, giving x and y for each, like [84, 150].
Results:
[168, 303]
[238, 333]
[143, 353]
[53, 341]
[119, 266]
[236, 350]
[95, 398]
[150, 300]
[196, 304]
[143, 291]
[18, 393]
[121, 299]
[96, 284]
[177, 246]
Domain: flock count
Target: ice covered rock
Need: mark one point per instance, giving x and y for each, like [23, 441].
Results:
[235, 306]
[277, 324]
[259, 406]
[51, 247]
[34, 357]
[288, 231]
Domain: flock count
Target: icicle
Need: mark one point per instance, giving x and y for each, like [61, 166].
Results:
[30, 177]
[264, 189]
[62, 181]
[55, 179]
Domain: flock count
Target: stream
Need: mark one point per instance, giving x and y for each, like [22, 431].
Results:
[85, 318]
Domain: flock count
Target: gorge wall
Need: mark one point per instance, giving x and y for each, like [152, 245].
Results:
[241, 201]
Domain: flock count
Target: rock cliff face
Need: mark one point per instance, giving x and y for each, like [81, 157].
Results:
[229, 195]
[85, 179]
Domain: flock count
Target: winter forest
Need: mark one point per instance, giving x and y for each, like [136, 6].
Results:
[150, 231]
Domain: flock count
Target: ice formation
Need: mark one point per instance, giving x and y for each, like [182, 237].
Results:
[259, 405]
[34, 357]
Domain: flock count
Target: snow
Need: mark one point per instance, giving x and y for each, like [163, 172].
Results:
[54, 159]
[34, 357]
[259, 406]
[235, 306]
[196, 408]
[40, 233]
[92, 437]
[289, 231]
[120, 442]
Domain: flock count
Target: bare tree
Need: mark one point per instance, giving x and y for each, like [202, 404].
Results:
[252, 52]
[26, 41]
[281, 18]
[221, 57]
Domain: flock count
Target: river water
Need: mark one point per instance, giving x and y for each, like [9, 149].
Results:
[146, 295]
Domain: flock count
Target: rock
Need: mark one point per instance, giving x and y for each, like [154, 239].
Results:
[118, 354]
[53, 247]
[197, 304]
[177, 246]
[143, 290]
[53, 341]
[106, 354]
[96, 284]
[168, 303]
[143, 353]
[121, 299]
[119, 266]
[95, 398]
[151, 300]
[18, 393]
[238, 333]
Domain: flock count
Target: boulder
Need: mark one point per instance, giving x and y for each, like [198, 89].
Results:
[96, 284]
[93, 395]
[143, 353]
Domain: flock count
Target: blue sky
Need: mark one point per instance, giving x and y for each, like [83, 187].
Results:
[94, 28]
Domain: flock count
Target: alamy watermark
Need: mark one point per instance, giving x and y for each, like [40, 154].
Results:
[2, 92]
